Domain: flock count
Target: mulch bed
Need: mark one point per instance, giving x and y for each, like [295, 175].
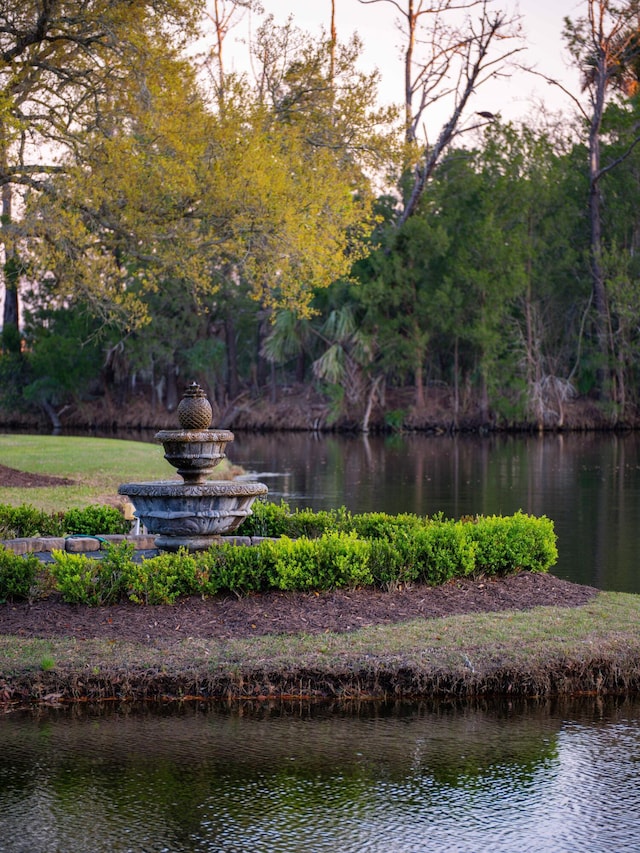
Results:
[228, 617]
[12, 478]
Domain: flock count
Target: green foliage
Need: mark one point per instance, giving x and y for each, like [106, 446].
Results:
[84, 580]
[267, 519]
[332, 561]
[391, 563]
[394, 419]
[162, 579]
[510, 544]
[115, 572]
[370, 549]
[95, 520]
[27, 521]
[233, 569]
[76, 578]
[64, 351]
[17, 575]
[443, 551]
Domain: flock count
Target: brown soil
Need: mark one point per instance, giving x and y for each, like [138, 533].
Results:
[10, 477]
[301, 407]
[227, 617]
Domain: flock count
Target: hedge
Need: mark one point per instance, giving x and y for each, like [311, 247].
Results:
[330, 550]
[26, 521]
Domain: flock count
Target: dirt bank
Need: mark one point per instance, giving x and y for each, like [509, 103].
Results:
[303, 408]
[527, 635]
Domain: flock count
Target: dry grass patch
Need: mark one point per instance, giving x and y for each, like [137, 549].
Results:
[544, 651]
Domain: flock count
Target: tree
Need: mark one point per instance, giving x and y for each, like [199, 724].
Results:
[463, 46]
[604, 44]
[61, 63]
[288, 196]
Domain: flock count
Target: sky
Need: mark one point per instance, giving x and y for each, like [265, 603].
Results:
[375, 24]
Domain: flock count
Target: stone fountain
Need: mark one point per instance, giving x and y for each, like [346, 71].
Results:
[192, 514]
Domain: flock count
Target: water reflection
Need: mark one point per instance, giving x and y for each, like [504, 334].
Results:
[504, 778]
[589, 484]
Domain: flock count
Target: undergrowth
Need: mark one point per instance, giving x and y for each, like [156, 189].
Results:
[27, 521]
[308, 551]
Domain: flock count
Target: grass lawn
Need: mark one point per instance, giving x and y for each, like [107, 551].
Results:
[540, 652]
[97, 465]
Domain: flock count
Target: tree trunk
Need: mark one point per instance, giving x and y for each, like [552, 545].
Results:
[419, 383]
[51, 413]
[374, 394]
[456, 382]
[172, 396]
[11, 313]
[233, 382]
[595, 223]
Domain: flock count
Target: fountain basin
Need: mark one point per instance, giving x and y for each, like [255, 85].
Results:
[195, 453]
[191, 515]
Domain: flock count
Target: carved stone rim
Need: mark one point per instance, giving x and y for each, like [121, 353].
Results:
[194, 435]
[211, 488]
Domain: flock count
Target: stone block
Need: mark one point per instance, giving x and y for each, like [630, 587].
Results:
[82, 544]
[18, 546]
[49, 543]
[143, 542]
[236, 540]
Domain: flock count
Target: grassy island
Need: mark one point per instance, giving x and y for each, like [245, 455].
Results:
[206, 625]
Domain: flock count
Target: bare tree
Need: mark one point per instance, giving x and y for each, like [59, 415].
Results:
[452, 47]
[605, 46]
[224, 15]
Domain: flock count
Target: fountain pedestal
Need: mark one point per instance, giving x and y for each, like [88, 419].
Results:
[195, 513]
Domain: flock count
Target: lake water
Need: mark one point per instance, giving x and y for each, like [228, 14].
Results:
[505, 778]
[589, 484]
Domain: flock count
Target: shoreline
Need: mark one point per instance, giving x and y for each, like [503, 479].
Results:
[300, 408]
[543, 652]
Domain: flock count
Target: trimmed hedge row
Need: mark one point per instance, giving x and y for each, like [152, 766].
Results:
[336, 550]
[26, 521]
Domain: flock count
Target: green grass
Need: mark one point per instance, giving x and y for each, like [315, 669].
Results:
[97, 465]
[542, 651]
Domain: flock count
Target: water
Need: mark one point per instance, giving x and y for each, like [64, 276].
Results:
[548, 776]
[552, 777]
[589, 484]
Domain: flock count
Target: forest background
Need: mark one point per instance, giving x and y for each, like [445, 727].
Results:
[313, 259]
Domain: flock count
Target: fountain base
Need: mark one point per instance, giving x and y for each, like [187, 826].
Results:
[191, 516]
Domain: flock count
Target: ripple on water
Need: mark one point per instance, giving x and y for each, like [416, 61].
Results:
[458, 780]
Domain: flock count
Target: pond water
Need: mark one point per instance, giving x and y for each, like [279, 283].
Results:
[545, 777]
[588, 483]
[506, 778]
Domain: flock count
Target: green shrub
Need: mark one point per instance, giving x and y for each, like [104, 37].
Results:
[392, 564]
[76, 578]
[230, 568]
[267, 519]
[332, 561]
[442, 551]
[114, 573]
[397, 550]
[306, 522]
[163, 579]
[380, 525]
[512, 543]
[95, 520]
[83, 580]
[17, 575]
[25, 521]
